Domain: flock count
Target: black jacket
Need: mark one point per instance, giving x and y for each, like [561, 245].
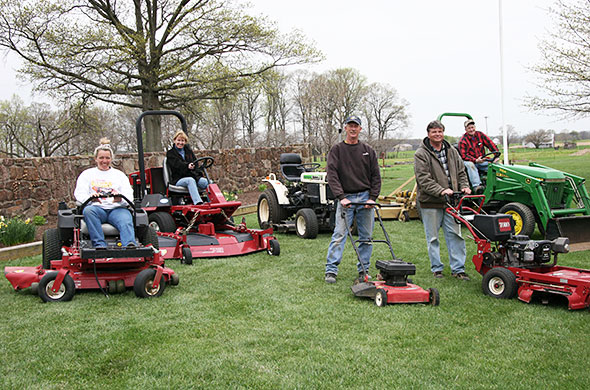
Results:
[179, 166]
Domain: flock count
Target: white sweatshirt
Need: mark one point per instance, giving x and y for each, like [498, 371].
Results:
[94, 180]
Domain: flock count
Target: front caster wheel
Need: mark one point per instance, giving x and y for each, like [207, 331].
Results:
[274, 248]
[65, 293]
[143, 284]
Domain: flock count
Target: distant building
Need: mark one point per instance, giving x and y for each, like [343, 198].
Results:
[402, 147]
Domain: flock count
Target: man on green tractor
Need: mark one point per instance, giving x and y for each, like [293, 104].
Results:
[472, 147]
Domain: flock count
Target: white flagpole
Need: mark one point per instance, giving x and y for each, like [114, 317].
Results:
[504, 130]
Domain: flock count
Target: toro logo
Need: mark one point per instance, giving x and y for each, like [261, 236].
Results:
[504, 224]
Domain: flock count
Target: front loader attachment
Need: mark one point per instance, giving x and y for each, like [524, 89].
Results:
[576, 228]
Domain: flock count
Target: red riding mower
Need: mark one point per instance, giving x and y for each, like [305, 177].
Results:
[70, 262]
[514, 264]
[186, 231]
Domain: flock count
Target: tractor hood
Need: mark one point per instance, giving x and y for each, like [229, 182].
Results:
[546, 174]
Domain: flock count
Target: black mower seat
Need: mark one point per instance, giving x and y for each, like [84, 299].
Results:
[291, 168]
[107, 228]
[171, 187]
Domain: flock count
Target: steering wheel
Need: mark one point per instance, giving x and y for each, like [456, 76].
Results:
[488, 156]
[310, 167]
[203, 162]
[106, 195]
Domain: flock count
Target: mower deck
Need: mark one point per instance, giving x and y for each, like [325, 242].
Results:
[572, 283]
[410, 293]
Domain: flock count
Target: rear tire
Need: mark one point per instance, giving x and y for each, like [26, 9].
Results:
[151, 237]
[524, 219]
[65, 293]
[306, 223]
[161, 221]
[51, 247]
[434, 296]
[499, 283]
[143, 284]
[269, 210]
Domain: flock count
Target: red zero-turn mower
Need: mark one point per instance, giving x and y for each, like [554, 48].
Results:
[394, 285]
[70, 262]
[185, 230]
[514, 264]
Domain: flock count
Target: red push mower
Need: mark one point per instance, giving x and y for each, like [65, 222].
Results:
[393, 285]
[70, 262]
[185, 230]
[514, 264]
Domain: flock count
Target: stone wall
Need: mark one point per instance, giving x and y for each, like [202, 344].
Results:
[35, 186]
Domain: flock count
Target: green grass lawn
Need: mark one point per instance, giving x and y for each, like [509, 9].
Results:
[265, 322]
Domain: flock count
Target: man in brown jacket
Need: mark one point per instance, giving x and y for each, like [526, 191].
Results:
[439, 171]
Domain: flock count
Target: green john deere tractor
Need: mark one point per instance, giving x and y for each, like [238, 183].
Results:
[557, 202]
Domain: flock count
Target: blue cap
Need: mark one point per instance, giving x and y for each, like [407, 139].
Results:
[353, 118]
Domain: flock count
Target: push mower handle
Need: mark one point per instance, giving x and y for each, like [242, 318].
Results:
[456, 201]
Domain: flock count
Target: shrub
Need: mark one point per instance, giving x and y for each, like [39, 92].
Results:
[229, 196]
[39, 220]
[262, 187]
[16, 231]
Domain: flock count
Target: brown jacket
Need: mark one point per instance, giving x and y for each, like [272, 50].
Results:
[431, 177]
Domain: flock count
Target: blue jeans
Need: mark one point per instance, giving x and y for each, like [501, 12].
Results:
[119, 217]
[192, 184]
[365, 220]
[473, 170]
[433, 220]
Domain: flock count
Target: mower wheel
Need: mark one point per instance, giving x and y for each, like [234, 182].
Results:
[35, 288]
[174, 279]
[274, 249]
[121, 286]
[381, 297]
[143, 284]
[51, 247]
[433, 296]
[187, 256]
[269, 209]
[499, 283]
[113, 287]
[306, 223]
[162, 222]
[151, 237]
[524, 219]
[65, 293]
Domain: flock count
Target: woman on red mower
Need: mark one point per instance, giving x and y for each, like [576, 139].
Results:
[95, 182]
[180, 158]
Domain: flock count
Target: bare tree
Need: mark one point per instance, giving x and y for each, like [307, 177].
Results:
[146, 54]
[538, 137]
[564, 71]
[386, 116]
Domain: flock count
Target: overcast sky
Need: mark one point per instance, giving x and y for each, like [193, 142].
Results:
[441, 56]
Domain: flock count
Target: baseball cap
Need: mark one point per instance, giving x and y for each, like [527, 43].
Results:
[353, 118]
[469, 122]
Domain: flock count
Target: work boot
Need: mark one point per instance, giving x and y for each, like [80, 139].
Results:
[330, 278]
[461, 276]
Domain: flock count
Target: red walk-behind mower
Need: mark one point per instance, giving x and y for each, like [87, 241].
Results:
[393, 285]
[71, 263]
[514, 264]
[185, 230]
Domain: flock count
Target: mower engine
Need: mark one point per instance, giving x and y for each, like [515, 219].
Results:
[395, 272]
[522, 250]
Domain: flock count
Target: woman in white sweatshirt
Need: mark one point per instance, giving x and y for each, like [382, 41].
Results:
[113, 210]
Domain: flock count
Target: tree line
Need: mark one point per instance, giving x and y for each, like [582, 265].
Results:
[275, 109]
